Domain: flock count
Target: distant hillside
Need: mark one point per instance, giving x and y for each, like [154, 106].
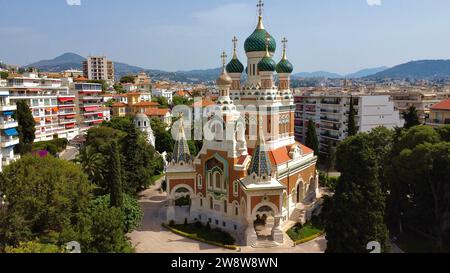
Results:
[317, 74]
[75, 61]
[366, 72]
[425, 69]
[60, 63]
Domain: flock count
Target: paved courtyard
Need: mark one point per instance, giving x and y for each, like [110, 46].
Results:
[151, 237]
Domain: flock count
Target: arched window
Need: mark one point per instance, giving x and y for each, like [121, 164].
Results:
[211, 204]
[284, 200]
[201, 202]
[236, 211]
[210, 180]
[235, 188]
[199, 181]
[217, 180]
[225, 206]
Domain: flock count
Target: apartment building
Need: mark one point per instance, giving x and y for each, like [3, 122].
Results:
[439, 114]
[99, 68]
[168, 94]
[8, 129]
[329, 111]
[51, 104]
[88, 101]
[422, 98]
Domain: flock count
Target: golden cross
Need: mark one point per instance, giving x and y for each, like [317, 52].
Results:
[224, 58]
[235, 40]
[260, 6]
[284, 42]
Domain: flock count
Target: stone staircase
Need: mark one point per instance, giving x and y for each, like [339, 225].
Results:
[265, 243]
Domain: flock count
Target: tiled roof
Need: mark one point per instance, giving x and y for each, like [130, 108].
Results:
[119, 104]
[281, 155]
[156, 112]
[203, 103]
[443, 105]
[146, 103]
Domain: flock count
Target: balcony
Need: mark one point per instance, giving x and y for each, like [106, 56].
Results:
[333, 102]
[330, 136]
[8, 141]
[67, 121]
[330, 119]
[8, 124]
[439, 122]
[332, 112]
[8, 108]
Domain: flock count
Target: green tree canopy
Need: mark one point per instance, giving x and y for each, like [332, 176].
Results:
[127, 79]
[46, 199]
[358, 208]
[26, 128]
[411, 117]
[351, 130]
[311, 137]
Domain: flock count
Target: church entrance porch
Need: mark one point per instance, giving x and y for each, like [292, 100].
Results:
[264, 223]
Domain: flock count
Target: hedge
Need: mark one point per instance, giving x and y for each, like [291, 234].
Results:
[193, 237]
[307, 239]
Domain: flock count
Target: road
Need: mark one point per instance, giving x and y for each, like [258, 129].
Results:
[70, 153]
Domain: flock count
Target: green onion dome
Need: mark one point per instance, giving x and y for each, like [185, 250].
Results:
[235, 66]
[267, 64]
[257, 41]
[285, 66]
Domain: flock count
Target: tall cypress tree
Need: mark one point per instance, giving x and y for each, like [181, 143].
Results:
[411, 117]
[26, 128]
[357, 214]
[311, 137]
[115, 177]
[351, 120]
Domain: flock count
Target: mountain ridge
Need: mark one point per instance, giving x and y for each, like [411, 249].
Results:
[422, 69]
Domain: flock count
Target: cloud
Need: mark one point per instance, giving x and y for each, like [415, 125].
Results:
[374, 2]
[73, 2]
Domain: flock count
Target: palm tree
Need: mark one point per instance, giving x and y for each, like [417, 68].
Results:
[92, 163]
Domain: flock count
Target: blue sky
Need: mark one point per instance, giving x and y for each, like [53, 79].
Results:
[334, 35]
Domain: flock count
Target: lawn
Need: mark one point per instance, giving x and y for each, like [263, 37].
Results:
[203, 233]
[157, 177]
[308, 230]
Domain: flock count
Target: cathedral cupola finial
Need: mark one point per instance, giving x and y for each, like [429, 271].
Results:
[235, 40]
[284, 42]
[224, 79]
[260, 6]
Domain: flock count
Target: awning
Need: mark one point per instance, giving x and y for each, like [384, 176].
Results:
[8, 113]
[91, 109]
[55, 109]
[69, 116]
[70, 126]
[100, 115]
[11, 132]
[66, 99]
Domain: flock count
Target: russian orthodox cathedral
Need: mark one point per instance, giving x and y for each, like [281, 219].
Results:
[255, 179]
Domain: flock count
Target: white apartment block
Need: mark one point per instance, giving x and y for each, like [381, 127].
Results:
[88, 104]
[329, 112]
[168, 94]
[8, 130]
[99, 68]
[51, 104]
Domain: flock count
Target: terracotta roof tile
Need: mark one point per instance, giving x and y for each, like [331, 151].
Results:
[443, 105]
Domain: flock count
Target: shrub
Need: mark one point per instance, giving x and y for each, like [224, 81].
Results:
[171, 223]
[185, 221]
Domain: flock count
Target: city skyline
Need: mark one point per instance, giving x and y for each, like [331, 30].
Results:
[340, 37]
